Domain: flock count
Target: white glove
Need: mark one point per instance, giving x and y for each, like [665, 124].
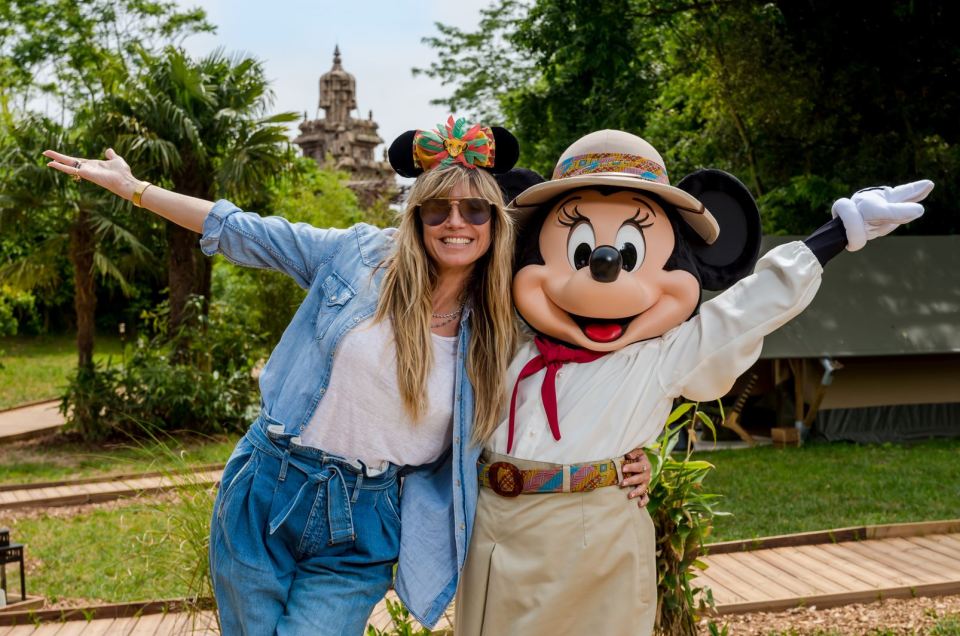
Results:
[878, 211]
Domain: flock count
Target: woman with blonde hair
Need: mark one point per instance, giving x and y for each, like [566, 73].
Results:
[394, 364]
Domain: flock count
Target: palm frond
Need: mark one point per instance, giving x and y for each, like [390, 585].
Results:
[38, 270]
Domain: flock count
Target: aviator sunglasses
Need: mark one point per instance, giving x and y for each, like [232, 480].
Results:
[474, 210]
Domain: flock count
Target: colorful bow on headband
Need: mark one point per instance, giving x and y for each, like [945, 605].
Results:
[457, 142]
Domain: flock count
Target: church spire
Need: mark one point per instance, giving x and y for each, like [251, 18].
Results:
[336, 57]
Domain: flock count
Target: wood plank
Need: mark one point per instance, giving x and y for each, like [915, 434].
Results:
[835, 600]
[777, 560]
[732, 585]
[100, 627]
[719, 591]
[21, 630]
[826, 571]
[838, 535]
[912, 571]
[71, 628]
[919, 557]
[945, 550]
[950, 539]
[868, 578]
[842, 551]
[146, 625]
[751, 577]
[939, 544]
[796, 587]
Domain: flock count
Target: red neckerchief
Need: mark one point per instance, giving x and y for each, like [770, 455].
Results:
[553, 355]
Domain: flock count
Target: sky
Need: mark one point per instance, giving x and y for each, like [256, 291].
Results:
[380, 42]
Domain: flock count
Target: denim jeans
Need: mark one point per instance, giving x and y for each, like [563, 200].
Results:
[302, 542]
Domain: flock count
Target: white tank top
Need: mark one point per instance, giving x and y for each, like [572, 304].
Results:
[361, 416]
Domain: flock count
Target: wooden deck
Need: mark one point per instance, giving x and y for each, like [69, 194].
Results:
[30, 420]
[83, 491]
[822, 569]
[149, 625]
[852, 565]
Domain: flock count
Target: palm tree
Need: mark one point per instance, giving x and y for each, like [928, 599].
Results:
[201, 128]
[77, 219]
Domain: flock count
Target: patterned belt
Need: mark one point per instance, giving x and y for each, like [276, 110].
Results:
[508, 480]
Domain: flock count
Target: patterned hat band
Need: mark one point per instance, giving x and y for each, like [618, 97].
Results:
[611, 162]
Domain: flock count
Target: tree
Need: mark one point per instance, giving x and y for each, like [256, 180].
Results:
[201, 128]
[77, 55]
[79, 220]
[803, 100]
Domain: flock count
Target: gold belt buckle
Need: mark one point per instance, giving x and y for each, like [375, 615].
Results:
[505, 479]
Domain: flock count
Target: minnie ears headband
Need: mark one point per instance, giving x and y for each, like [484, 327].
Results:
[458, 142]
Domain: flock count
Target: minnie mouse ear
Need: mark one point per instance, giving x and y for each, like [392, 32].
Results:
[734, 254]
[507, 150]
[400, 155]
[506, 153]
[513, 182]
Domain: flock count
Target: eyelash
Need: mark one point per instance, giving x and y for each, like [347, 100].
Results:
[638, 223]
[570, 220]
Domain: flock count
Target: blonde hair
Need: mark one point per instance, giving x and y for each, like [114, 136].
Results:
[406, 298]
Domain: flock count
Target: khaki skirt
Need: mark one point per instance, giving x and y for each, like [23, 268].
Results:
[558, 563]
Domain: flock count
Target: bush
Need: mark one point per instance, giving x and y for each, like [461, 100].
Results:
[683, 516]
[18, 312]
[208, 390]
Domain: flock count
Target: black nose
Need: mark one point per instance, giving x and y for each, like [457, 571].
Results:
[605, 264]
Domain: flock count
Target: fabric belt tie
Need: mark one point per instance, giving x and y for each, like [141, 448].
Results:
[553, 355]
[339, 499]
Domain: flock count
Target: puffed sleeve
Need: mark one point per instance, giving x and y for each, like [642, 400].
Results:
[269, 242]
[702, 358]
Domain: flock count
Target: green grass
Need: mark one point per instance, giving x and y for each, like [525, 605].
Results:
[37, 367]
[46, 460]
[127, 554]
[820, 486]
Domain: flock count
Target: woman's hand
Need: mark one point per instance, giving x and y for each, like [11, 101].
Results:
[113, 174]
[638, 470]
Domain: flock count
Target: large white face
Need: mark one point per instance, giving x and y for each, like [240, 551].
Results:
[456, 245]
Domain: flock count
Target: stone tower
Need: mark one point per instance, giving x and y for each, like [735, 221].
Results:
[349, 142]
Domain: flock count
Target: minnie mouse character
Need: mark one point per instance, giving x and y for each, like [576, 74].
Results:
[612, 260]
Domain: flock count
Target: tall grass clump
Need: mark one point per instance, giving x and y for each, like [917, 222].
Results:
[683, 515]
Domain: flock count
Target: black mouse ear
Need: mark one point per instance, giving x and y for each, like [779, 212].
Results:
[513, 182]
[400, 155]
[734, 254]
[506, 150]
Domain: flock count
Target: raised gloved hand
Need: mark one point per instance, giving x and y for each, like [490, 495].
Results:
[876, 212]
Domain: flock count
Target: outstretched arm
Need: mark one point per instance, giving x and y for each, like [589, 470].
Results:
[115, 175]
[870, 213]
[245, 238]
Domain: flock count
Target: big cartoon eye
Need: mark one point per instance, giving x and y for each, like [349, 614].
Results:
[580, 245]
[632, 246]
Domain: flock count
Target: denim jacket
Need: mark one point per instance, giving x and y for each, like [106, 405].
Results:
[339, 269]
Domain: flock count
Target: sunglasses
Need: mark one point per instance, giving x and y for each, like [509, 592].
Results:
[474, 210]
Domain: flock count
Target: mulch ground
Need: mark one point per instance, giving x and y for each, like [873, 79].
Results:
[907, 617]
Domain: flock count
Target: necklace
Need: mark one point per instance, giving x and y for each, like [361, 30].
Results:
[445, 319]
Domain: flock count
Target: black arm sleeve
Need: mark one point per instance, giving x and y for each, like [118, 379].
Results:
[827, 241]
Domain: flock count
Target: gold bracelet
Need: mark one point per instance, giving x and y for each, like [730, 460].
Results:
[138, 193]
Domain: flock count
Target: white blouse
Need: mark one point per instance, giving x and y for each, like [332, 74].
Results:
[620, 401]
[361, 416]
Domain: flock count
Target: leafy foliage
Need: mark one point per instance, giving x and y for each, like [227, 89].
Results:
[799, 100]
[402, 623]
[319, 197]
[683, 516]
[210, 391]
